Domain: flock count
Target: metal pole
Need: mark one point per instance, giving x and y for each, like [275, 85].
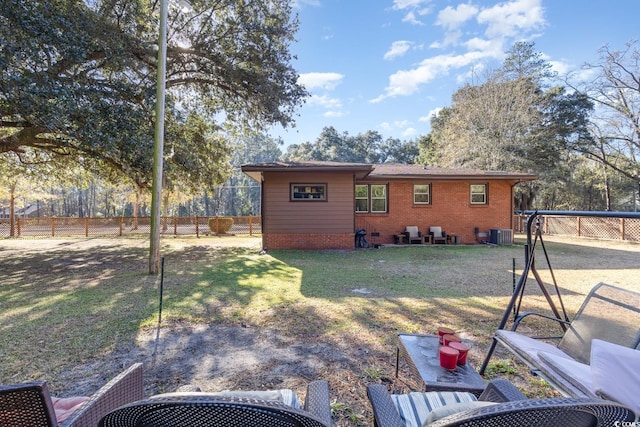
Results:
[158, 145]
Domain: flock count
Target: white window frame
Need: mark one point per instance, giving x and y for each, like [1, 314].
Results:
[365, 198]
[478, 194]
[371, 198]
[427, 193]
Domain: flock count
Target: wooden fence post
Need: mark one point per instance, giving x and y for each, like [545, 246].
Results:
[86, 227]
[120, 222]
[578, 224]
[250, 225]
[197, 227]
[53, 227]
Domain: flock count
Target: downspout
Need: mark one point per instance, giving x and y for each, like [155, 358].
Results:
[262, 217]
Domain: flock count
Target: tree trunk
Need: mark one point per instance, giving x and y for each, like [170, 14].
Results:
[12, 210]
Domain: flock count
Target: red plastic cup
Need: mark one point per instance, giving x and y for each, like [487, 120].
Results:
[444, 331]
[463, 349]
[448, 357]
[448, 338]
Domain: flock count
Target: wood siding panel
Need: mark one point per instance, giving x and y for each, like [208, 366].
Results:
[335, 215]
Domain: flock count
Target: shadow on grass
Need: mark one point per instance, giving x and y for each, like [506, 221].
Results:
[237, 319]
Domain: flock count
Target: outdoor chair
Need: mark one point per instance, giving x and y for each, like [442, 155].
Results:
[501, 404]
[227, 409]
[607, 325]
[437, 236]
[412, 234]
[31, 405]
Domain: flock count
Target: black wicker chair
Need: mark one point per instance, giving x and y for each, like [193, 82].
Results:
[30, 404]
[214, 410]
[513, 409]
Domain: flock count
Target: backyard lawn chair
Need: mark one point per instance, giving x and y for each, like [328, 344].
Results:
[412, 234]
[609, 314]
[227, 409]
[31, 405]
[501, 404]
[436, 235]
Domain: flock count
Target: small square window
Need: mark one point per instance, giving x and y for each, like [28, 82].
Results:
[308, 192]
[422, 194]
[478, 194]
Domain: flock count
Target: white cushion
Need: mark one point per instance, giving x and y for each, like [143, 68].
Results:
[527, 347]
[616, 373]
[414, 408]
[437, 231]
[575, 373]
[412, 230]
[454, 408]
[286, 396]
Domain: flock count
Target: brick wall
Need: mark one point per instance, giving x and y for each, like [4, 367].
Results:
[309, 241]
[450, 209]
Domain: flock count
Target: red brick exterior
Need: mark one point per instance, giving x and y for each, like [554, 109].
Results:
[450, 209]
[331, 223]
[309, 241]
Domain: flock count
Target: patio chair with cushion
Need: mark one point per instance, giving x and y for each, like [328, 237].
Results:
[412, 234]
[227, 409]
[437, 236]
[30, 404]
[607, 325]
[501, 404]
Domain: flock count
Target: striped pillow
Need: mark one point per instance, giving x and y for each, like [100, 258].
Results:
[414, 408]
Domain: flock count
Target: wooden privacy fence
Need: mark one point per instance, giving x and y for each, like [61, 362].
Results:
[122, 226]
[582, 226]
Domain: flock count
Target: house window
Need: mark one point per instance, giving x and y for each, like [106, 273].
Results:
[422, 194]
[478, 194]
[371, 198]
[308, 192]
[362, 198]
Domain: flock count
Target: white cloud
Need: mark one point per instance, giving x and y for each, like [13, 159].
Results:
[327, 81]
[407, 82]
[509, 18]
[404, 4]
[560, 67]
[431, 114]
[451, 18]
[409, 132]
[324, 101]
[411, 19]
[331, 114]
[398, 48]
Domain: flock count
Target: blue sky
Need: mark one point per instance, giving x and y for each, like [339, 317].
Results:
[387, 65]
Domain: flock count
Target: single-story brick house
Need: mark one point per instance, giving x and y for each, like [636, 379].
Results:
[320, 205]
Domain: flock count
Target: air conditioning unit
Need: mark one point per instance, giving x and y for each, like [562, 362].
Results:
[501, 236]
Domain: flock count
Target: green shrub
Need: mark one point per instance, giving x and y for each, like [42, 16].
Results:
[220, 224]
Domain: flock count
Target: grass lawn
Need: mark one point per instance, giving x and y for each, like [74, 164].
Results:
[72, 304]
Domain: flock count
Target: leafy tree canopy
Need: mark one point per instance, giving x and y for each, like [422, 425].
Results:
[78, 79]
[510, 122]
[368, 147]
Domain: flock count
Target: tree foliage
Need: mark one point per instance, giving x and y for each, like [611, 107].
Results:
[78, 79]
[615, 123]
[369, 147]
[510, 122]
